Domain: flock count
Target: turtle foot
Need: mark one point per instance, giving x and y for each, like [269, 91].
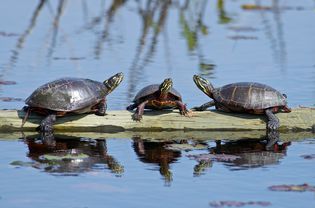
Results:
[100, 113]
[136, 117]
[45, 128]
[47, 124]
[187, 113]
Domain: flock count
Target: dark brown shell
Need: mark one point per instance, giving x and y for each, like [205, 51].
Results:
[249, 96]
[151, 89]
[67, 94]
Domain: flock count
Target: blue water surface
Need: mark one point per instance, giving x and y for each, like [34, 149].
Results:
[271, 43]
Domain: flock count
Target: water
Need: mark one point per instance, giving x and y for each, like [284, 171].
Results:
[149, 41]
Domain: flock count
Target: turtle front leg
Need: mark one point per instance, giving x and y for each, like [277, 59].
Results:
[204, 106]
[101, 108]
[273, 121]
[182, 108]
[46, 125]
[137, 116]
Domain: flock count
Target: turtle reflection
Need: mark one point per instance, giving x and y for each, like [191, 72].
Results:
[250, 153]
[63, 155]
[156, 153]
[242, 154]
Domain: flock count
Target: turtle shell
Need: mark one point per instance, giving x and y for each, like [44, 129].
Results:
[67, 94]
[151, 89]
[248, 96]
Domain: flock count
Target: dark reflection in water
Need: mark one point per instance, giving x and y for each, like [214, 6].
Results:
[63, 155]
[252, 153]
[243, 154]
[156, 153]
[66, 155]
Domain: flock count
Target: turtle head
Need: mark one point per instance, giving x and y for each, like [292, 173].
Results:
[166, 86]
[204, 85]
[113, 82]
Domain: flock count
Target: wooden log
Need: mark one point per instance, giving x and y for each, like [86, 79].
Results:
[119, 121]
[165, 135]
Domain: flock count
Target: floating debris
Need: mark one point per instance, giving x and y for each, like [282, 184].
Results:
[10, 99]
[69, 58]
[238, 203]
[64, 156]
[295, 188]
[309, 157]
[242, 29]
[19, 163]
[185, 147]
[242, 37]
[214, 157]
[254, 7]
[3, 82]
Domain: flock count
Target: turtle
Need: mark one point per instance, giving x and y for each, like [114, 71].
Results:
[69, 95]
[157, 97]
[248, 97]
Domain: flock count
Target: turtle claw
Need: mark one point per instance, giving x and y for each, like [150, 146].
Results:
[187, 113]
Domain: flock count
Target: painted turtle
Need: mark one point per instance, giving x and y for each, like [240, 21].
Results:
[65, 95]
[157, 97]
[249, 97]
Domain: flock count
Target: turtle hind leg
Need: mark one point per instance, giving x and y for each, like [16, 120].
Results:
[273, 121]
[46, 125]
[204, 106]
[101, 108]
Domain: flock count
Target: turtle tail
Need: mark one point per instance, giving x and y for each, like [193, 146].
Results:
[28, 110]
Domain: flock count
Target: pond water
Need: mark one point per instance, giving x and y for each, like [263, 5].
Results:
[225, 41]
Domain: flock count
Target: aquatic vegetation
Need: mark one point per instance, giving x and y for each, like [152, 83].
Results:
[309, 157]
[214, 157]
[3, 82]
[10, 99]
[238, 203]
[294, 188]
